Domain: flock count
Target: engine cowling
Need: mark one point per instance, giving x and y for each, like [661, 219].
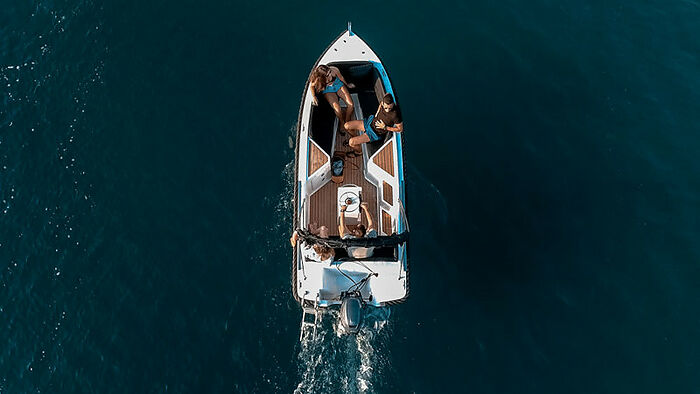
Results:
[351, 314]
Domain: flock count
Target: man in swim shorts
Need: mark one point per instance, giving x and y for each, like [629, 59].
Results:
[387, 119]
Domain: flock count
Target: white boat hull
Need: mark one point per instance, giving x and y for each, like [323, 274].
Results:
[380, 174]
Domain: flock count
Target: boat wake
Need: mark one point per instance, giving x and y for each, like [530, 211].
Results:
[334, 362]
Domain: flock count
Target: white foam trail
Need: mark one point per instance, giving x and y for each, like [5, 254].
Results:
[346, 363]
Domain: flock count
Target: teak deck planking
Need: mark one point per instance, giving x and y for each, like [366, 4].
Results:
[316, 159]
[322, 204]
[385, 158]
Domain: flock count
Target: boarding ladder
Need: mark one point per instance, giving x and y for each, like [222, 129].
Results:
[308, 325]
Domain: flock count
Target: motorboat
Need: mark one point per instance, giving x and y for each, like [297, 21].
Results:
[329, 176]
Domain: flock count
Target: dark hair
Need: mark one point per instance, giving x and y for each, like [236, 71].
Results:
[388, 99]
[324, 251]
[362, 229]
[322, 68]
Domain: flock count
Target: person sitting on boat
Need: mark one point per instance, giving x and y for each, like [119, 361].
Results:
[315, 252]
[329, 82]
[359, 231]
[388, 118]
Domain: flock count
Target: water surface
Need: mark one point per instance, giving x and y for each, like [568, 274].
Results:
[145, 179]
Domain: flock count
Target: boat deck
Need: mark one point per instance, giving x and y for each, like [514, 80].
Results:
[322, 204]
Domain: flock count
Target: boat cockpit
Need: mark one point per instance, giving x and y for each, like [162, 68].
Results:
[369, 90]
[373, 173]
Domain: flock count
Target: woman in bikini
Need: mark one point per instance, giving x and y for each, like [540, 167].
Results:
[328, 81]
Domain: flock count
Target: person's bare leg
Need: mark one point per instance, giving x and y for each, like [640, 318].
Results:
[333, 101]
[354, 127]
[344, 94]
[313, 228]
[323, 232]
[356, 142]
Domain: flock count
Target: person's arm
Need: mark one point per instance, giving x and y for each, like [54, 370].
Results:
[294, 238]
[342, 229]
[340, 76]
[397, 128]
[314, 100]
[368, 216]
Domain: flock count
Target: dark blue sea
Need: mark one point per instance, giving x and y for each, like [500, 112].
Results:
[553, 192]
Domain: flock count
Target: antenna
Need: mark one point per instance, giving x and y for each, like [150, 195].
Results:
[350, 28]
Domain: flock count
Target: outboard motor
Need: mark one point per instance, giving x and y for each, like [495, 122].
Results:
[351, 312]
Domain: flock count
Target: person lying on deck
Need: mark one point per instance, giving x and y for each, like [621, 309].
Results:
[319, 253]
[329, 82]
[359, 231]
[388, 118]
